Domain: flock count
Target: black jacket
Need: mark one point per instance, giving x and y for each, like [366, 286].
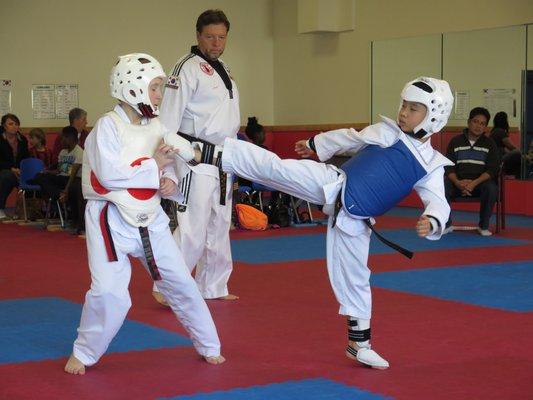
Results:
[7, 160]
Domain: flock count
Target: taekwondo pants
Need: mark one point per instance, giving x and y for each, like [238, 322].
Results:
[108, 301]
[347, 242]
[203, 232]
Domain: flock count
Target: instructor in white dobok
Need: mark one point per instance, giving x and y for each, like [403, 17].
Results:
[201, 104]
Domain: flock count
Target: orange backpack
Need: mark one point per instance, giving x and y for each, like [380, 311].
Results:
[251, 218]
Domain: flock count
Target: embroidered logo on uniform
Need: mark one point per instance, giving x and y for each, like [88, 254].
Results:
[142, 218]
[172, 82]
[206, 68]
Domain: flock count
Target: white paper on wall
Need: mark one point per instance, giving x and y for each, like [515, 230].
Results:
[43, 101]
[66, 98]
[462, 104]
[5, 96]
[497, 100]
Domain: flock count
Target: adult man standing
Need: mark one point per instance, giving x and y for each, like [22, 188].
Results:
[476, 167]
[201, 104]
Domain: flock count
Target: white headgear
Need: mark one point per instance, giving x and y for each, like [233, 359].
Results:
[130, 78]
[436, 95]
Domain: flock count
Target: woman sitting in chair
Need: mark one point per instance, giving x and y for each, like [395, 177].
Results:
[13, 149]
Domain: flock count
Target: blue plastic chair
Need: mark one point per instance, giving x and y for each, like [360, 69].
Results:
[29, 168]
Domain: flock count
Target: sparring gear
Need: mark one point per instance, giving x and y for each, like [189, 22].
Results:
[138, 206]
[436, 95]
[379, 178]
[130, 79]
[369, 357]
[359, 332]
[186, 149]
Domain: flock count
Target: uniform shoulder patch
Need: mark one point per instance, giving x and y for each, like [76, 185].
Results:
[206, 68]
[172, 82]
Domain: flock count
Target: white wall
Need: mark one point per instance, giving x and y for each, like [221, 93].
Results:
[72, 41]
[325, 78]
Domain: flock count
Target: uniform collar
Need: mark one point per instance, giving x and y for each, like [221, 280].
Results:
[124, 117]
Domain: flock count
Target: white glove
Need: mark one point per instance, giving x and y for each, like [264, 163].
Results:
[186, 150]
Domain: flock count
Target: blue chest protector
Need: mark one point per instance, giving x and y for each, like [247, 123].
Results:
[378, 178]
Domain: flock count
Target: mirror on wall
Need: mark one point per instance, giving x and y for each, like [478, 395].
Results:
[491, 68]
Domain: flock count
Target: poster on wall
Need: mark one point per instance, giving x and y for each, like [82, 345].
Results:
[66, 98]
[53, 101]
[43, 101]
[497, 100]
[462, 101]
[5, 96]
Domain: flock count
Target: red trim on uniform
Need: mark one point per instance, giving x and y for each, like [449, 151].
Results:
[106, 234]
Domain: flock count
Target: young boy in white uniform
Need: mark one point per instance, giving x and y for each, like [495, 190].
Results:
[126, 170]
[391, 158]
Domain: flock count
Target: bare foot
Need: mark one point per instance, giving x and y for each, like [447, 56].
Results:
[215, 360]
[74, 366]
[160, 299]
[228, 297]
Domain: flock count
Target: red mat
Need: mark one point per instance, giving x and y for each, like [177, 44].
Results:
[285, 326]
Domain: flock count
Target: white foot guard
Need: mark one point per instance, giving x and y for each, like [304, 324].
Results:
[186, 149]
[359, 344]
[367, 357]
[371, 358]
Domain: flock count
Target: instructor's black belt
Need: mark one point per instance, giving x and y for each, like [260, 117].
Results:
[392, 245]
[208, 154]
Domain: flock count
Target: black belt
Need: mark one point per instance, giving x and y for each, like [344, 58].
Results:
[208, 154]
[149, 254]
[392, 245]
[208, 149]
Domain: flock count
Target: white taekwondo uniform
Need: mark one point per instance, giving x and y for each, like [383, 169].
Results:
[121, 182]
[197, 103]
[348, 236]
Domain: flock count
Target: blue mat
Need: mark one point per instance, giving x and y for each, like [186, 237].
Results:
[506, 286]
[45, 328]
[309, 389]
[312, 247]
[465, 216]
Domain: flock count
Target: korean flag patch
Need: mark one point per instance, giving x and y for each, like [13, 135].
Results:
[172, 82]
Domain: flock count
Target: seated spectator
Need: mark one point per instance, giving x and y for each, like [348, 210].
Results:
[38, 147]
[56, 184]
[13, 149]
[77, 118]
[509, 154]
[476, 167]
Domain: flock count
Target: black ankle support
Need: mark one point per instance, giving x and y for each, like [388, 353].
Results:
[359, 336]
